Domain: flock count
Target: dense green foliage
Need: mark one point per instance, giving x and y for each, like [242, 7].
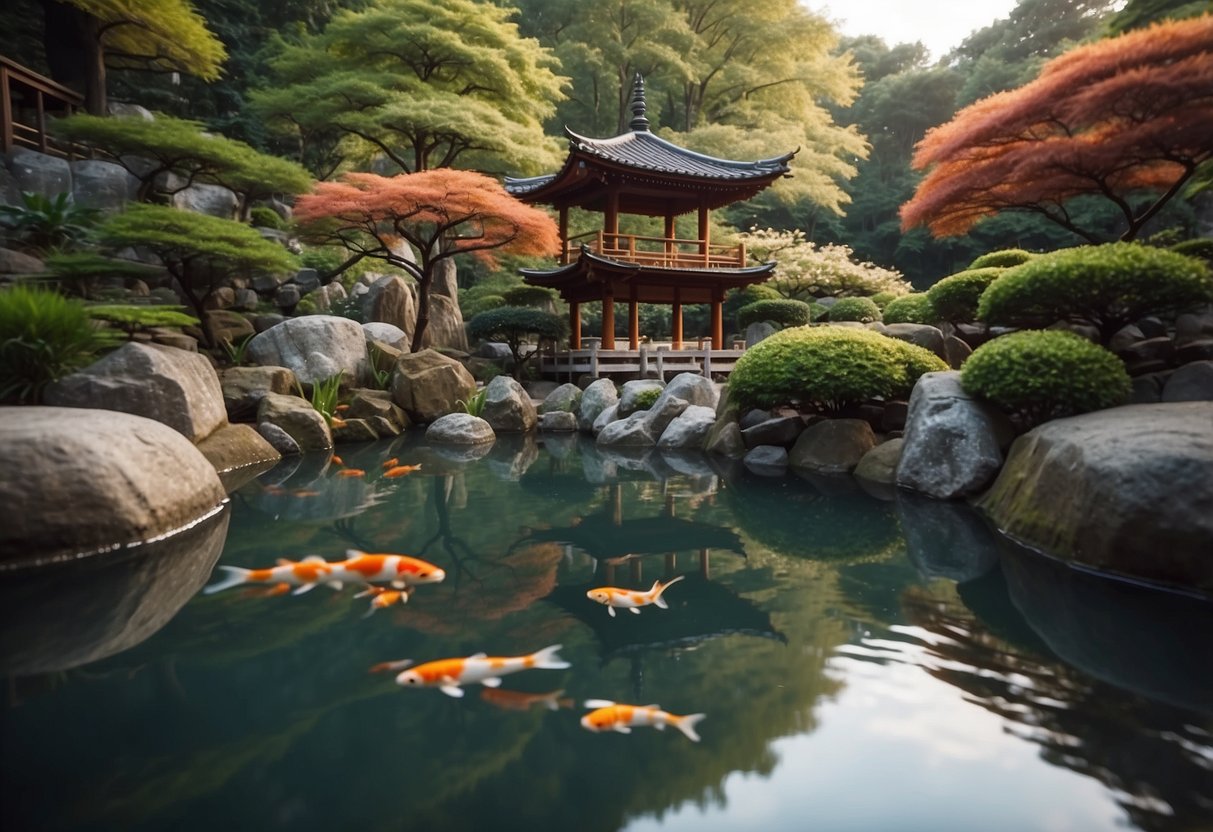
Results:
[1107, 287]
[40, 225]
[910, 309]
[43, 337]
[1005, 258]
[828, 368]
[79, 271]
[517, 326]
[955, 297]
[473, 306]
[262, 216]
[782, 312]
[804, 270]
[1039, 375]
[132, 318]
[863, 310]
[1201, 247]
[645, 399]
[882, 299]
[530, 296]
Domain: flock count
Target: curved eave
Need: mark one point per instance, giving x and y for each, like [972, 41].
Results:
[733, 168]
[608, 264]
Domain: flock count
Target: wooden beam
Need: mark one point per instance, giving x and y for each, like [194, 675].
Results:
[717, 323]
[633, 321]
[676, 320]
[40, 109]
[610, 223]
[669, 236]
[574, 325]
[6, 112]
[608, 320]
[705, 231]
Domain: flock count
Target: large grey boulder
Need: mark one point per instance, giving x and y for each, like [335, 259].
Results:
[385, 334]
[558, 421]
[16, 262]
[298, 419]
[445, 326]
[1125, 490]
[724, 438]
[880, 463]
[693, 388]
[460, 429]
[664, 411]
[781, 430]
[566, 398]
[952, 441]
[390, 300]
[314, 347]
[172, 386]
[213, 200]
[834, 446]
[47, 176]
[428, 384]
[507, 407]
[1190, 383]
[106, 186]
[922, 335]
[279, 440]
[631, 432]
[90, 479]
[325, 296]
[758, 332]
[689, 429]
[608, 415]
[630, 390]
[596, 398]
[233, 447]
[377, 408]
[245, 387]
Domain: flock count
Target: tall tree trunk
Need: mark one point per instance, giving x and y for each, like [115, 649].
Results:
[423, 305]
[72, 38]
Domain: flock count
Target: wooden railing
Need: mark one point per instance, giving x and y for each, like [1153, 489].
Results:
[667, 252]
[665, 362]
[26, 99]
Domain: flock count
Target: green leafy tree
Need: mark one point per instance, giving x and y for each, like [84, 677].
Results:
[782, 311]
[518, 327]
[200, 252]
[419, 85]
[132, 318]
[804, 270]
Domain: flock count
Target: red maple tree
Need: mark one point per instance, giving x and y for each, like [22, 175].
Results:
[439, 213]
[1110, 118]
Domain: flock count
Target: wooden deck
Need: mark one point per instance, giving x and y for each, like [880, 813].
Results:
[660, 359]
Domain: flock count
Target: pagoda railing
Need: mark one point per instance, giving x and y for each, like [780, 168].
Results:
[666, 252]
[27, 99]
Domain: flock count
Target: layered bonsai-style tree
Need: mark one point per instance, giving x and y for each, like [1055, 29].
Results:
[516, 326]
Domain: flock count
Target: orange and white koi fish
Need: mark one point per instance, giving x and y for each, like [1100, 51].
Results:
[390, 463]
[351, 472]
[448, 675]
[402, 470]
[304, 574]
[383, 598]
[610, 716]
[401, 570]
[630, 599]
[516, 700]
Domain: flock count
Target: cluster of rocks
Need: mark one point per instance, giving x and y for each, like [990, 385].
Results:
[1169, 364]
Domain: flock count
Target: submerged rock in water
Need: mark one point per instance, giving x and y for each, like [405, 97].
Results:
[91, 479]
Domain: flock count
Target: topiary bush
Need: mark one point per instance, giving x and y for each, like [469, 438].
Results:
[954, 299]
[132, 318]
[516, 325]
[481, 303]
[43, 337]
[910, 309]
[530, 296]
[1107, 287]
[828, 368]
[881, 299]
[1035, 376]
[783, 312]
[863, 310]
[819, 312]
[262, 216]
[1004, 259]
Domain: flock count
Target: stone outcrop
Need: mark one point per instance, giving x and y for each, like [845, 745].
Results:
[767, 460]
[558, 421]
[953, 442]
[427, 385]
[834, 446]
[460, 429]
[689, 429]
[1125, 490]
[922, 335]
[314, 347]
[384, 334]
[90, 479]
[566, 397]
[279, 440]
[45, 175]
[629, 392]
[378, 409]
[691, 387]
[596, 398]
[201, 198]
[233, 447]
[605, 418]
[390, 300]
[244, 387]
[105, 186]
[507, 407]
[298, 419]
[781, 430]
[445, 327]
[880, 463]
[16, 262]
[631, 432]
[1190, 383]
[172, 386]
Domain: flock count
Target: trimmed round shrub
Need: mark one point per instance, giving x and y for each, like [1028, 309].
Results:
[43, 337]
[1004, 259]
[472, 307]
[1107, 287]
[1201, 248]
[1035, 376]
[647, 398]
[882, 299]
[910, 309]
[828, 368]
[819, 312]
[517, 326]
[784, 312]
[955, 298]
[262, 216]
[863, 310]
[529, 296]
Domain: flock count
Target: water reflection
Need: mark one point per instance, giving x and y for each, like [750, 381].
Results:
[800, 596]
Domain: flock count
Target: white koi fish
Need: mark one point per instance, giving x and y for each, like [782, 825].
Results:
[630, 599]
[400, 570]
[304, 574]
[448, 675]
[610, 716]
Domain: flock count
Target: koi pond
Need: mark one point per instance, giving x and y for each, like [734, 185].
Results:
[864, 662]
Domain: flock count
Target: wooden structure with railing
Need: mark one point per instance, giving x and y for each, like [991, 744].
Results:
[640, 173]
[27, 99]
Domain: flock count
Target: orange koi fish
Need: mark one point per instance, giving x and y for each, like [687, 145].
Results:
[336, 460]
[383, 598]
[401, 570]
[304, 492]
[631, 600]
[304, 574]
[402, 470]
[448, 675]
[390, 463]
[514, 700]
[610, 716]
[351, 472]
[336, 422]
[341, 408]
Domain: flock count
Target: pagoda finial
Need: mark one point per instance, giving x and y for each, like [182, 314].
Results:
[638, 122]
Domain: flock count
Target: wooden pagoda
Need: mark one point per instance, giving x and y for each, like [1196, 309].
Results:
[640, 173]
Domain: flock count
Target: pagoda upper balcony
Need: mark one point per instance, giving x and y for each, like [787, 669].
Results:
[661, 252]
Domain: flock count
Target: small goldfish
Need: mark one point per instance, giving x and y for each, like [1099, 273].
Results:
[351, 472]
[515, 700]
[383, 598]
[336, 460]
[304, 492]
[630, 599]
[276, 490]
[304, 574]
[449, 674]
[341, 408]
[402, 470]
[401, 570]
[390, 463]
[336, 422]
[609, 716]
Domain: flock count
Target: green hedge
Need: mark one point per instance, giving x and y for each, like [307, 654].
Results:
[43, 337]
[1003, 259]
[863, 310]
[882, 299]
[955, 298]
[262, 216]
[784, 312]
[1107, 287]
[828, 368]
[910, 309]
[1039, 375]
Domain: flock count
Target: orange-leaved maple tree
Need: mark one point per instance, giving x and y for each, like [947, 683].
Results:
[1116, 118]
[440, 213]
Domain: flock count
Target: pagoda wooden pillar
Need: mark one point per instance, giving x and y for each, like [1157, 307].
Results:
[670, 250]
[610, 225]
[705, 231]
[676, 320]
[608, 319]
[633, 321]
[574, 325]
[717, 320]
[564, 234]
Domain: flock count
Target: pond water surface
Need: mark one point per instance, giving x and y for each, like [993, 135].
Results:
[864, 663]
